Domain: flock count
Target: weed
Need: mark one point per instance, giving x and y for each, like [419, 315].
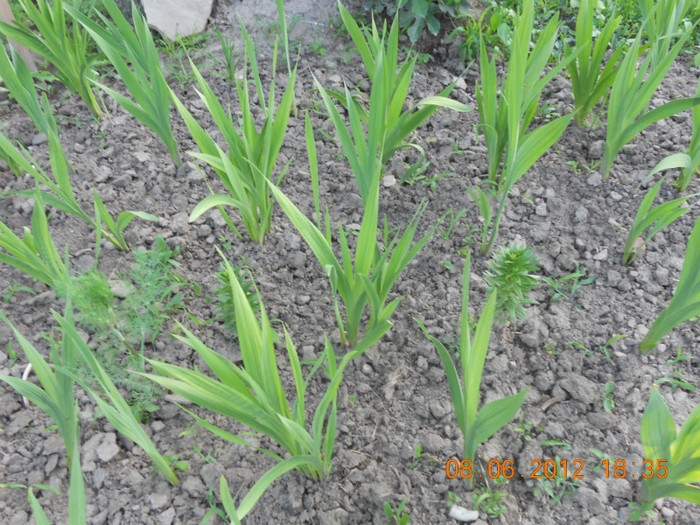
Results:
[602, 456]
[491, 501]
[13, 289]
[317, 47]
[526, 428]
[609, 396]
[148, 297]
[225, 301]
[453, 220]
[511, 277]
[549, 348]
[556, 487]
[452, 498]
[396, 516]
[230, 60]
[566, 287]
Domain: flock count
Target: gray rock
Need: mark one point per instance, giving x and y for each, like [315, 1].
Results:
[98, 478]
[39, 138]
[595, 179]
[109, 448]
[581, 388]
[459, 513]
[596, 149]
[581, 213]
[166, 517]
[296, 260]
[534, 333]
[159, 500]
[211, 473]
[541, 210]
[194, 487]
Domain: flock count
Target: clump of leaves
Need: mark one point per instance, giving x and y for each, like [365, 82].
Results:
[416, 15]
[224, 297]
[511, 276]
[120, 328]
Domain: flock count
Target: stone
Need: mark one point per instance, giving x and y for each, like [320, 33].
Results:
[39, 138]
[459, 513]
[109, 448]
[581, 388]
[178, 18]
[595, 179]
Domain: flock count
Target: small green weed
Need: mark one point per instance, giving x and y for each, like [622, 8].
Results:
[396, 516]
[556, 487]
[566, 287]
[491, 501]
[609, 396]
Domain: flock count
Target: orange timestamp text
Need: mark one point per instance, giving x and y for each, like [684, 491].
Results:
[567, 468]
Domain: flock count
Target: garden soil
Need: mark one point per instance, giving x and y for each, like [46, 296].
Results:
[394, 400]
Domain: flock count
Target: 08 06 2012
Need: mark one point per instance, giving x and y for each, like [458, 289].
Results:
[567, 468]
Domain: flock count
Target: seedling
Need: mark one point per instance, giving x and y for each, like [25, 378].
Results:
[490, 501]
[397, 516]
[671, 455]
[526, 428]
[476, 423]
[453, 221]
[609, 396]
[452, 498]
[550, 349]
[555, 443]
[419, 452]
[566, 287]
[317, 47]
[558, 486]
[602, 456]
[684, 303]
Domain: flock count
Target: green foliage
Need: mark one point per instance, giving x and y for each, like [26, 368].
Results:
[35, 253]
[658, 217]
[506, 113]
[61, 195]
[417, 15]
[631, 94]
[477, 424]
[566, 287]
[690, 170]
[511, 278]
[367, 278]
[18, 80]
[685, 303]
[662, 20]
[675, 470]
[252, 155]
[254, 395]
[558, 486]
[490, 500]
[122, 326]
[66, 46]
[54, 396]
[133, 53]
[589, 83]
[388, 125]
[396, 516]
[225, 300]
